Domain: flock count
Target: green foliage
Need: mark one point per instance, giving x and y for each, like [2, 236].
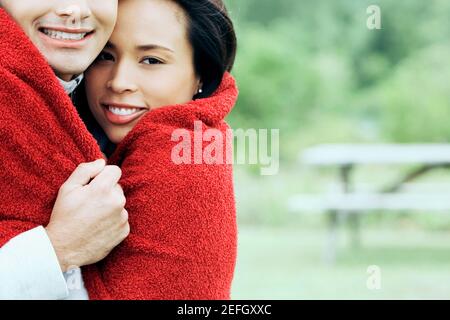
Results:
[311, 68]
[416, 99]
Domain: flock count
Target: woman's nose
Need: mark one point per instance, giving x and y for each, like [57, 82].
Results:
[121, 82]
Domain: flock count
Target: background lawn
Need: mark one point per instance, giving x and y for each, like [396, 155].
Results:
[286, 263]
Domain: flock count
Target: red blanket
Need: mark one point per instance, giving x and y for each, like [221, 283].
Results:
[183, 224]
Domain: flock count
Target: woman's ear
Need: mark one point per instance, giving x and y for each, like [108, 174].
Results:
[198, 89]
[200, 86]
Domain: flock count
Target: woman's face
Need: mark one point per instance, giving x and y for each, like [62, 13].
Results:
[147, 64]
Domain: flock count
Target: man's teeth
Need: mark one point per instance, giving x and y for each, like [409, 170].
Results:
[123, 112]
[59, 35]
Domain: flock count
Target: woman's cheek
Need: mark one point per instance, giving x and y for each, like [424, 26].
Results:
[159, 90]
[98, 77]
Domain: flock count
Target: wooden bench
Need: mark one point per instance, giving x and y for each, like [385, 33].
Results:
[363, 202]
[348, 202]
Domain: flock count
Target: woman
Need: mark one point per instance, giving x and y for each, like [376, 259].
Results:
[164, 68]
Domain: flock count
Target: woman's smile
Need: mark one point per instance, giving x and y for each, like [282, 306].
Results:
[121, 114]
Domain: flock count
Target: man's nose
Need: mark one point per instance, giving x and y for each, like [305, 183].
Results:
[74, 12]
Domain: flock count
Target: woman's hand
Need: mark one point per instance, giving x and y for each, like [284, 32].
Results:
[88, 218]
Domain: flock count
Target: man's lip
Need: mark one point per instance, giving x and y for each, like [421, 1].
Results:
[68, 30]
[69, 44]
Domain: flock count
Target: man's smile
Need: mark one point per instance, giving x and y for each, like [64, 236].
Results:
[65, 36]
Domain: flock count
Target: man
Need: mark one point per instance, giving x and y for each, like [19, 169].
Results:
[37, 264]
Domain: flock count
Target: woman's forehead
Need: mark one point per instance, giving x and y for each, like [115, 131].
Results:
[145, 23]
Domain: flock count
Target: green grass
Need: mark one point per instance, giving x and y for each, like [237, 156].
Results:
[286, 263]
[281, 253]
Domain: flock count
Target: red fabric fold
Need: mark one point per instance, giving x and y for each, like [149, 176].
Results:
[183, 222]
[42, 137]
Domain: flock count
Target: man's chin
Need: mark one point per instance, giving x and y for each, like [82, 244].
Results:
[66, 69]
[67, 61]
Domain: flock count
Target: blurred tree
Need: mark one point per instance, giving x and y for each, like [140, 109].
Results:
[312, 67]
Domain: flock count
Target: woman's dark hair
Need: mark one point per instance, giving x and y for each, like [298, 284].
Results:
[212, 36]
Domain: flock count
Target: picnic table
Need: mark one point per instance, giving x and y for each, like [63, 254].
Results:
[349, 203]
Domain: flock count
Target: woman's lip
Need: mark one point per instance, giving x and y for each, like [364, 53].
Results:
[122, 105]
[121, 120]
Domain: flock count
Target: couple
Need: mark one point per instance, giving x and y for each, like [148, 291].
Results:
[141, 227]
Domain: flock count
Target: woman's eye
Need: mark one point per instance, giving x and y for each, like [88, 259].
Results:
[151, 61]
[105, 56]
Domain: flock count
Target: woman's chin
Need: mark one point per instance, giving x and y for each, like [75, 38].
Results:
[116, 137]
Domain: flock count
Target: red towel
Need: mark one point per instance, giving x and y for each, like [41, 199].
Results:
[183, 224]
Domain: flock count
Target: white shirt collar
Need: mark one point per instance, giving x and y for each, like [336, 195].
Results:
[70, 86]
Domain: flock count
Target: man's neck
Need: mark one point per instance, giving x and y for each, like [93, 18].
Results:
[65, 77]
